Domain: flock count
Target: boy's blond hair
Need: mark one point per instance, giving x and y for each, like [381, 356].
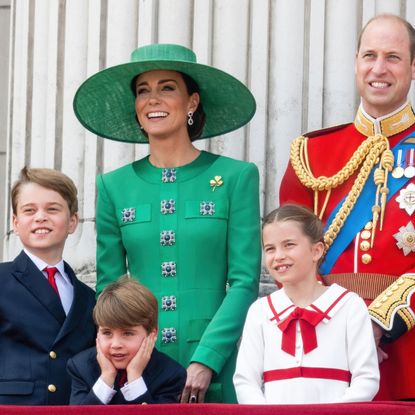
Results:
[49, 179]
[126, 303]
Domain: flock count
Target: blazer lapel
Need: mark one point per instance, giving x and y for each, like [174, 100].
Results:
[35, 282]
[79, 305]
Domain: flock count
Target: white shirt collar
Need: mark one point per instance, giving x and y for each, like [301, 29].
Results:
[41, 264]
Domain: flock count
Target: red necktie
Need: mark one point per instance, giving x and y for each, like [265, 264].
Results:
[308, 320]
[122, 379]
[51, 271]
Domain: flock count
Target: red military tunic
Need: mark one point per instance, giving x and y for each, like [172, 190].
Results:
[393, 252]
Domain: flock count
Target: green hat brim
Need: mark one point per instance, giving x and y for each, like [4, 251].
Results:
[105, 103]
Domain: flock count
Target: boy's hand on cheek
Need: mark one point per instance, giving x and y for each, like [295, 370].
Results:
[108, 371]
[138, 363]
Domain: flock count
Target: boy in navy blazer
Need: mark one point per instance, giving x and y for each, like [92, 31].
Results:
[124, 367]
[45, 311]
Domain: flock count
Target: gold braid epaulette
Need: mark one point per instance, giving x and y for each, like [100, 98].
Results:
[394, 300]
[375, 149]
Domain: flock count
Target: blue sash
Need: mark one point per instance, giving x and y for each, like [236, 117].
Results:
[361, 213]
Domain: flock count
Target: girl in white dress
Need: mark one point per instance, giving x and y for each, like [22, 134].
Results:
[306, 342]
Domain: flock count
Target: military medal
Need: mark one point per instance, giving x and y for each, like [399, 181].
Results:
[406, 238]
[409, 171]
[406, 198]
[398, 171]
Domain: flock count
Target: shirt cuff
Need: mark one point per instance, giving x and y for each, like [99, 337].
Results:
[133, 390]
[103, 392]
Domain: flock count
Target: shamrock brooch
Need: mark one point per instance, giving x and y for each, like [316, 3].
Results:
[216, 182]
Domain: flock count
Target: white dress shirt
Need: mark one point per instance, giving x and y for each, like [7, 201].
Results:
[130, 391]
[63, 281]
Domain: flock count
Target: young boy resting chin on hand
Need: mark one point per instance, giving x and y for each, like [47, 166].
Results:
[124, 367]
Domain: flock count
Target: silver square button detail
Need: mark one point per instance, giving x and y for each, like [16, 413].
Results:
[168, 303]
[167, 206]
[168, 335]
[128, 215]
[207, 208]
[168, 269]
[167, 238]
[168, 175]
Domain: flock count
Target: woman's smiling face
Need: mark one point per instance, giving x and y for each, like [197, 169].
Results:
[163, 102]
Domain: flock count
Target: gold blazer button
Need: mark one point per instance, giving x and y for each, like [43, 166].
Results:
[369, 226]
[366, 258]
[365, 234]
[365, 245]
[52, 388]
[52, 354]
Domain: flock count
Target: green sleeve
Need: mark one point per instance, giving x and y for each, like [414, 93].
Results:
[244, 261]
[111, 255]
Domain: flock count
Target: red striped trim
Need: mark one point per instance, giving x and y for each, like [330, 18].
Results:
[271, 306]
[277, 315]
[326, 313]
[335, 302]
[308, 372]
[274, 311]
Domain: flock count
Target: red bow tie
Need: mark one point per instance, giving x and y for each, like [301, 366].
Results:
[308, 320]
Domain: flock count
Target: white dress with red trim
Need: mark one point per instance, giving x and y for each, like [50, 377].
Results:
[324, 353]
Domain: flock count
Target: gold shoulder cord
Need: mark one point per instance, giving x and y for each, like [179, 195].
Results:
[375, 149]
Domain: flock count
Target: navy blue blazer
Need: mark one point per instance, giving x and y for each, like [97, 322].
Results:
[163, 376]
[36, 337]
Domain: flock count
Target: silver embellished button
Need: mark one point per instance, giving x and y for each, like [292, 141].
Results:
[167, 238]
[168, 335]
[207, 208]
[168, 269]
[168, 175]
[167, 206]
[168, 303]
[128, 215]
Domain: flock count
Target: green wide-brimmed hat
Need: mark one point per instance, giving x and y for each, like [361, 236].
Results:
[105, 103]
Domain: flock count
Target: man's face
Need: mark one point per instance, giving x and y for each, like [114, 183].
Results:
[383, 67]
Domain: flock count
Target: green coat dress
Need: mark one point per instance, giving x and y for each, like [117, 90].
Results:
[193, 239]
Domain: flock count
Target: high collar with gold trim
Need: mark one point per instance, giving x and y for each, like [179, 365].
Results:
[387, 125]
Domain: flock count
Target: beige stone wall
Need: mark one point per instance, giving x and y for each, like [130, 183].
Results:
[4, 75]
[295, 55]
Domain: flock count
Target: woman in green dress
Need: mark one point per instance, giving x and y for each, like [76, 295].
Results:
[184, 222]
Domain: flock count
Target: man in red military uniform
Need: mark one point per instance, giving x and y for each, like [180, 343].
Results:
[360, 179]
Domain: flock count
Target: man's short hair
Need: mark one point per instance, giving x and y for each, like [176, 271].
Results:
[410, 29]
